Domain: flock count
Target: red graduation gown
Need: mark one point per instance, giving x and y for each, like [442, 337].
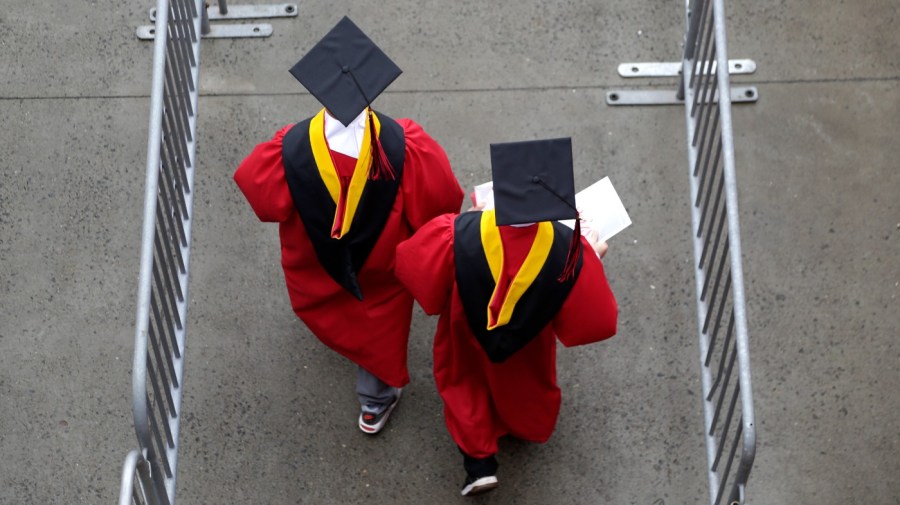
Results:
[374, 332]
[483, 400]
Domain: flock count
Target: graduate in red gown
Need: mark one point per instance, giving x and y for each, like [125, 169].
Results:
[346, 186]
[507, 283]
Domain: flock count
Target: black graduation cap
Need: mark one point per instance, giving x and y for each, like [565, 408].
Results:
[533, 181]
[345, 71]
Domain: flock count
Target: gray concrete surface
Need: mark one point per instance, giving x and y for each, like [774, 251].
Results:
[269, 413]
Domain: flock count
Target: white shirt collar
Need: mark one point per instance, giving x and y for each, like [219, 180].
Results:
[345, 139]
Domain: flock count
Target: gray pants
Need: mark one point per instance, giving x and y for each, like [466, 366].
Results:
[374, 395]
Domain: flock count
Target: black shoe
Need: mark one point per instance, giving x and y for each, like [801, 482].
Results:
[371, 423]
[474, 486]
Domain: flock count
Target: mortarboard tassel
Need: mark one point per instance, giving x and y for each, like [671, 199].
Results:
[575, 245]
[574, 250]
[381, 166]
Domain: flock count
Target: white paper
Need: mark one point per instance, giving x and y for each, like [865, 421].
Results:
[600, 207]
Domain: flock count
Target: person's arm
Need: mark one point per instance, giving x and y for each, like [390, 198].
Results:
[590, 312]
[429, 186]
[261, 179]
[425, 264]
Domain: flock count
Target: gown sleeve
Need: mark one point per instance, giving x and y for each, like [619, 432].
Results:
[590, 312]
[425, 264]
[261, 178]
[429, 186]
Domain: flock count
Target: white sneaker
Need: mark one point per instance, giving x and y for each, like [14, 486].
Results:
[474, 486]
[371, 423]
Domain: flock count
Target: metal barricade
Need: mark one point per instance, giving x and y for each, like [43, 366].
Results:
[724, 352]
[158, 367]
[149, 473]
[705, 90]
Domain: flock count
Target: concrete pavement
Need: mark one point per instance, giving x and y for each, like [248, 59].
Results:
[269, 413]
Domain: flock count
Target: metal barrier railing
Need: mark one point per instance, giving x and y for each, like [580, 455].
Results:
[705, 91]
[724, 351]
[158, 369]
[149, 473]
[137, 482]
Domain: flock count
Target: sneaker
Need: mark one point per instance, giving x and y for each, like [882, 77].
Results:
[371, 423]
[475, 486]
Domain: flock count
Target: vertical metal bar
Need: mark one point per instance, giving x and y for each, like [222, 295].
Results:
[700, 63]
[167, 326]
[164, 290]
[158, 439]
[159, 401]
[181, 68]
[157, 339]
[175, 126]
[708, 239]
[192, 11]
[159, 489]
[704, 65]
[171, 166]
[690, 40]
[730, 459]
[188, 37]
[718, 215]
[176, 129]
[165, 206]
[726, 424]
[706, 155]
[148, 488]
[223, 7]
[725, 382]
[204, 21]
[700, 102]
[707, 75]
[706, 113]
[722, 359]
[178, 99]
[716, 285]
[719, 313]
[163, 375]
[139, 365]
[727, 337]
[174, 206]
[172, 247]
[694, 15]
[704, 14]
[189, 11]
[704, 146]
[171, 271]
[706, 208]
[176, 56]
[160, 303]
[180, 43]
[167, 332]
[749, 440]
